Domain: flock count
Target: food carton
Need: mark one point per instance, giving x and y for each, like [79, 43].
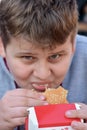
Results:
[50, 117]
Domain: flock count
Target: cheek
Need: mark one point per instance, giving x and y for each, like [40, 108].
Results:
[19, 71]
[60, 71]
[61, 68]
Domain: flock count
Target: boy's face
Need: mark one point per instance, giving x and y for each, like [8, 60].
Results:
[37, 68]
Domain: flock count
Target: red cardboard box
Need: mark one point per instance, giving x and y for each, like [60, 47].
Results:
[50, 117]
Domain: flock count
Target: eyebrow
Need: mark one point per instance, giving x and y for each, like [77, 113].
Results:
[26, 53]
[62, 51]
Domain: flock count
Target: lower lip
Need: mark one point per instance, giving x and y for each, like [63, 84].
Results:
[40, 88]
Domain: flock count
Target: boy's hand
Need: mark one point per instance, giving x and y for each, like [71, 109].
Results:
[13, 107]
[81, 113]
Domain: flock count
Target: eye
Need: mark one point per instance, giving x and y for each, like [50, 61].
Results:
[54, 57]
[28, 59]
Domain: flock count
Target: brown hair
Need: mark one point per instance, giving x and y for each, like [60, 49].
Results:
[42, 21]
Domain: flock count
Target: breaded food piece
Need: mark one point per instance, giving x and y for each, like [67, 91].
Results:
[56, 96]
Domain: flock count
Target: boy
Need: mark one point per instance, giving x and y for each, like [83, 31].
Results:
[38, 50]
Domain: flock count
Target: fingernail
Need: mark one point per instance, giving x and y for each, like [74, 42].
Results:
[42, 97]
[68, 114]
[46, 103]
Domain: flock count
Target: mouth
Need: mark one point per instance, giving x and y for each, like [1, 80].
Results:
[40, 87]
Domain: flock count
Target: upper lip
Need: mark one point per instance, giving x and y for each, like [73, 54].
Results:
[42, 84]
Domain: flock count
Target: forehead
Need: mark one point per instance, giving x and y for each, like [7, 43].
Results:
[22, 43]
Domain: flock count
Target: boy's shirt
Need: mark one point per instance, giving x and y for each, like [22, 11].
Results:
[75, 80]
[6, 79]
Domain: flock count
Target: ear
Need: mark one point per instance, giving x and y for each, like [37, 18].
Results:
[2, 49]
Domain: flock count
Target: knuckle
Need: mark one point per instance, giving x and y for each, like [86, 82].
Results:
[25, 112]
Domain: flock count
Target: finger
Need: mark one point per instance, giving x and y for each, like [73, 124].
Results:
[24, 102]
[26, 93]
[34, 102]
[16, 122]
[19, 121]
[80, 113]
[79, 126]
[17, 112]
[12, 123]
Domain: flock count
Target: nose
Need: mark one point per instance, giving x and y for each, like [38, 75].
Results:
[42, 70]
